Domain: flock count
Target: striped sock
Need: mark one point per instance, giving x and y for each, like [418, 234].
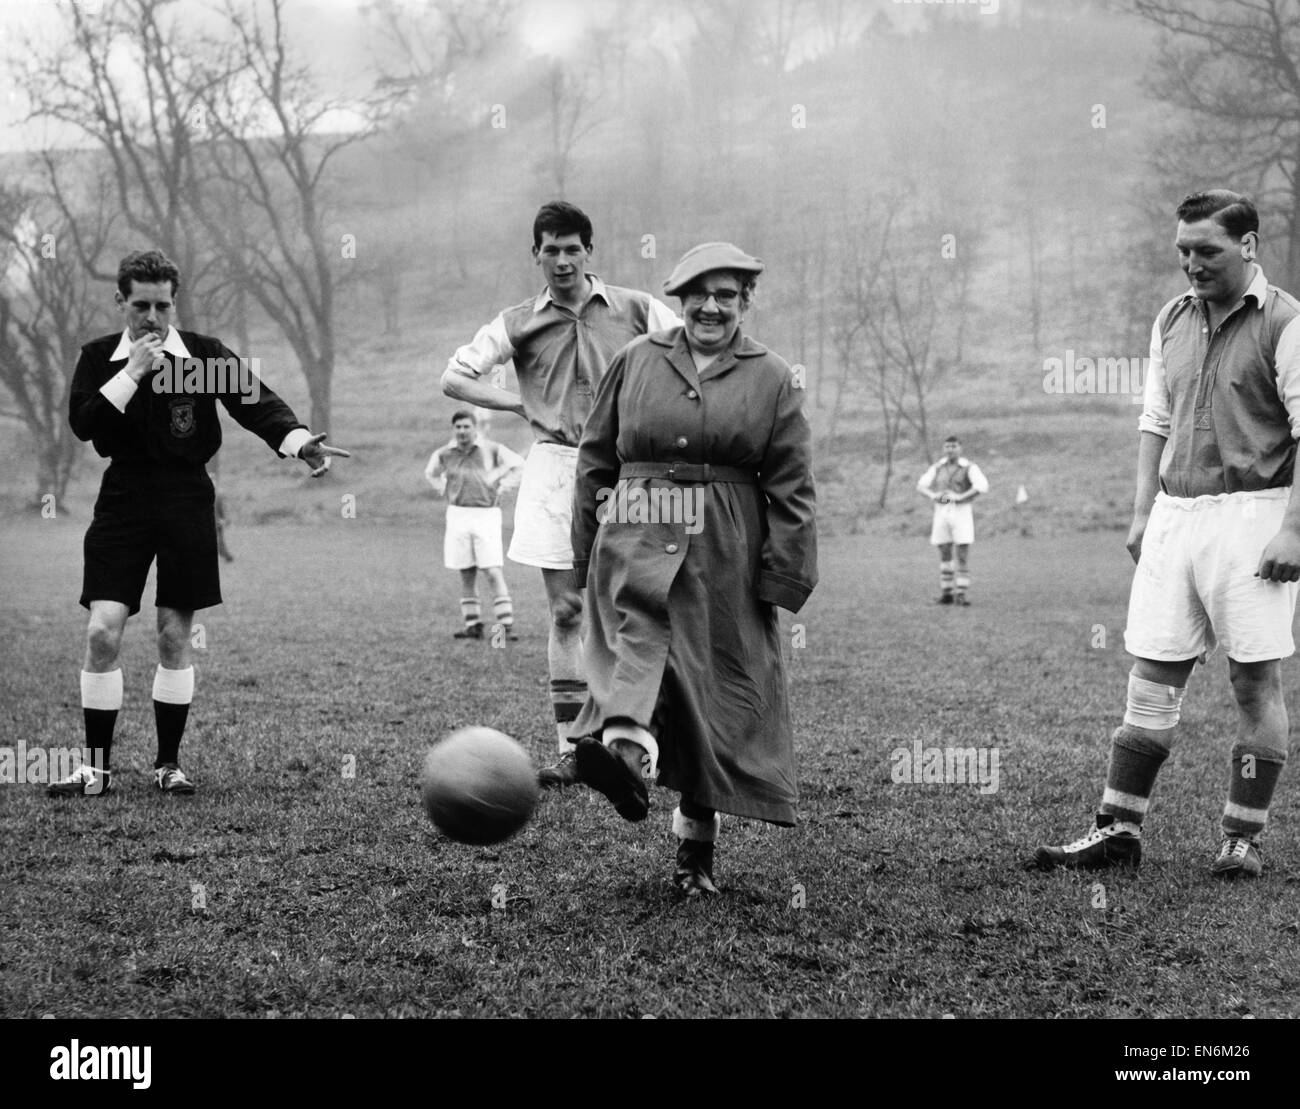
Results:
[963, 582]
[503, 611]
[470, 611]
[1255, 771]
[568, 695]
[1136, 755]
[945, 577]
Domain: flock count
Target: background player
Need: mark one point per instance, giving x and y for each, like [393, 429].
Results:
[953, 483]
[561, 340]
[156, 501]
[472, 470]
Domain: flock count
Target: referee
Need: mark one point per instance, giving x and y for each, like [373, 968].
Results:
[147, 400]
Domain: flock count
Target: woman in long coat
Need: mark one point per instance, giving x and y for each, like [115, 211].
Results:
[693, 518]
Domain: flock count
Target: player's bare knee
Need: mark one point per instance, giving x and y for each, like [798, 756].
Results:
[1256, 685]
[566, 612]
[103, 640]
[174, 641]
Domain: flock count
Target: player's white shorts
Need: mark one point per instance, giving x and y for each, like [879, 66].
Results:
[953, 523]
[1195, 585]
[544, 508]
[473, 538]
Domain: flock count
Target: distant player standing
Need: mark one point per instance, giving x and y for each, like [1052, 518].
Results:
[156, 500]
[471, 470]
[953, 483]
[1215, 534]
[561, 341]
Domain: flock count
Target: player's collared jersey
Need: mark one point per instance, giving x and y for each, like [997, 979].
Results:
[953, 477]
[467, 471]
[559, 356]
[1228, 403]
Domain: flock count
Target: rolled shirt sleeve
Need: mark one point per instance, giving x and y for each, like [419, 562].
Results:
[927, 479]
[1287, 365]
[490, 348]
[659, 317]
[1155, 398]
[978, 481]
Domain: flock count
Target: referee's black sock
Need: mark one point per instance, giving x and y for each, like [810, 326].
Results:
[101, 698]
[173, 690]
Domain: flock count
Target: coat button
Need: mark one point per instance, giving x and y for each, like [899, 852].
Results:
[692, 393]
[681, 440]
[671, 548]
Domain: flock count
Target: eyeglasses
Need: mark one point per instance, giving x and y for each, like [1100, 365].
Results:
[725, 297]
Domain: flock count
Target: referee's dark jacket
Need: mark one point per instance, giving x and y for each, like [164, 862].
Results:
[165, 426]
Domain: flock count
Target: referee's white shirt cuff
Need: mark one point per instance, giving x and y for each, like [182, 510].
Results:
[293, 442]
[119, 389]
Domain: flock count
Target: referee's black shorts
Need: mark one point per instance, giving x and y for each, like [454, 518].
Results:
[146, 512]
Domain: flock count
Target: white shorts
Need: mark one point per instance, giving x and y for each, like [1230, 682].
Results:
[1195, 586]
[473, 538]
[953, 523]
[544, 508]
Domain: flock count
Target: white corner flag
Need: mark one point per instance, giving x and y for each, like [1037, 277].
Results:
[1021, 496]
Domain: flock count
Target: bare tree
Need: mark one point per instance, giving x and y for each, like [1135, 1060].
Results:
[48, 305]
[571, 93]
[265, 166]
[1236, 68]
[142, 126]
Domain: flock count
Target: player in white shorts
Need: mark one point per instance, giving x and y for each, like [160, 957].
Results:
[1215, 534]
[561, 340]
[472, 471]
[953, 483]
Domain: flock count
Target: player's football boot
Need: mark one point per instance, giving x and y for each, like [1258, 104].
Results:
[469, 631]
[85, 781]
[609, 773]
[943, 599]
[694, 874]
[961, 601]
[1101, 848]
[170, 778]
[1239, 857]
[563, 772]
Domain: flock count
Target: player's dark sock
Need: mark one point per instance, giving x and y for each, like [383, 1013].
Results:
[173, 690]
[568, 695]
[1136, 755]
[101, 698]
[693, 811]
[471, 611]
[1255, 772]
[503, 610]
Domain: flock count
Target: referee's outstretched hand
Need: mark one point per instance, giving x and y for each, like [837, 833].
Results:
[317, 455]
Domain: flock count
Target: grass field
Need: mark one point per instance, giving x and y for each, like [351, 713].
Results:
[286, 887]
